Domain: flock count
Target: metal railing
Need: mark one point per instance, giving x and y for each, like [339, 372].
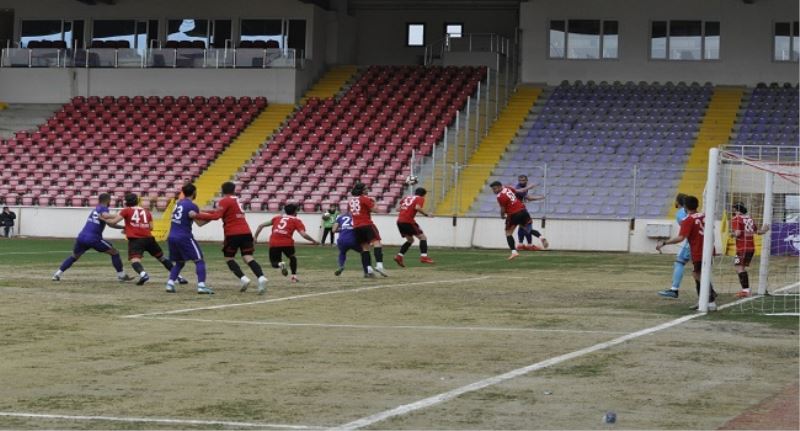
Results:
[191, 58]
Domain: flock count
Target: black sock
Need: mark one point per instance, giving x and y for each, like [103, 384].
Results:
[366, 259]
[234, 267]
[137, 266]
[744, 280]
[510, 240]
[379, 254]
[166, 262]
[293, 264]
[697, 286]
[256, 268]
[423, 246]
[275, 263]
[536, 233]
[404, 248]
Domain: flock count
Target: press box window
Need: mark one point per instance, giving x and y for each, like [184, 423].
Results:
[785, 42]
[454, 30]
[584, 39]
[415, 34]
[685, 40]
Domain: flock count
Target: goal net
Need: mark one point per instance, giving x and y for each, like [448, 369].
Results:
[761, 184]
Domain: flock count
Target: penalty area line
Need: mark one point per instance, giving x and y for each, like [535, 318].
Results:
[158, 421]
[491, 381]
[308, 295]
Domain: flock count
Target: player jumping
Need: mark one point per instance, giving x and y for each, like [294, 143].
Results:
[238, 237]
[512, 210]
[743, 229]
[408, 227]
[182, 246]
[91, 237]
[281, 241]
[360, 206]
[527, 232]
[139, 231]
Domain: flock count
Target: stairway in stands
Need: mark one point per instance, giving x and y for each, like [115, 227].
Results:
[473, 178]
[331, 83]
[715, 130]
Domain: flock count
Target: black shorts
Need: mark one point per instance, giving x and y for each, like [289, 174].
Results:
[276, 252]
[234, 243]
[137, 247]
[367, 234]
[409, 229]
[519, 218]
[743, 259]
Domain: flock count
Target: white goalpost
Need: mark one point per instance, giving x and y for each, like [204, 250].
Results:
[765, 181]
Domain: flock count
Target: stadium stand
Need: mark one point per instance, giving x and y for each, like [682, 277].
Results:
[591, 137]
[769, 118]
[367, 134]
[145, 145]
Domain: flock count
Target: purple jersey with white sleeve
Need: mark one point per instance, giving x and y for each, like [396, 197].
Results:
[346, 235]
[93, 229]
[181, 222]
[521, 195]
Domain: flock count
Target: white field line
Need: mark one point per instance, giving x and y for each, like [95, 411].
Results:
[449, 395]
[35, 252]
[308, 295]
[159, 421]
[410, 327]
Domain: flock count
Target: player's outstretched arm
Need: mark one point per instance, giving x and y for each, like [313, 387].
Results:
[193, 215]
[112, 220]
[673, 240]
[421, 211]
[307, 237]
[267, 223]
[335, 228]
[209, 216]
[764, 229]
[534, 198]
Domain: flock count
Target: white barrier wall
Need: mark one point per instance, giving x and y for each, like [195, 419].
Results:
[577, 235]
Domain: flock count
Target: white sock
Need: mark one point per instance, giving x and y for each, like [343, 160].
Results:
[244, 279]
[171, 282]
[400, 254]
[262, 278]
[370, 270]
[423, 254]
[121, 274]
[201, 284]
[379, 265]
[59, 272]
[142, 274]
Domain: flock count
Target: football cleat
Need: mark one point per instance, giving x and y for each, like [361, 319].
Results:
[668, 293]
[514, 255]
[284, 271]
[338, 271]
[56, 277]
[743, 294]
[545, 244]
[262, 285]
[425, 259]
[399, 260]
[143, 279]
[381, 271]
[294, 279]
[170, 288]
[204, 290]
[182, 280]
[123, 278]
[245, 283]
[369, 275]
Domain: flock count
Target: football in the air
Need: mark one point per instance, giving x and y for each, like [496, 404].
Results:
[411, 180]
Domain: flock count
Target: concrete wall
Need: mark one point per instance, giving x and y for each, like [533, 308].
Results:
[382, 31]
[745, 50]
[21, 85]
[579, 235]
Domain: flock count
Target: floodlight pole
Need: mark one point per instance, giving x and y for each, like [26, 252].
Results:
[709, 207]
[766, 240]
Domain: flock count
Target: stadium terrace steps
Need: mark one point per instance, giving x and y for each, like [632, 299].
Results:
[331, 83]
[715, 130]
[240, 151]
[493, 145]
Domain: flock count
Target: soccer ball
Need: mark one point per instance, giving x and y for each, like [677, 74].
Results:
[411, 180]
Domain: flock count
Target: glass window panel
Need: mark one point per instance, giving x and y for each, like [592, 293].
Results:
[118, 30]
[187, 29]
[416, 35]
[783, 41]
[712, 38]
[557, 39]
[152, 31]
[795, 42]
[583, 39]
[141, 36]
[658, 40]
[35, 30]
[222, 32]
[68, 33]
[77, 34]
[685, 41]
[297, 35]
[267, 30]
[610, 39]
[454, 30]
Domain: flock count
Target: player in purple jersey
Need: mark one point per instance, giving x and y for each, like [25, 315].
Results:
[527, 232]
[182, 246]
[91, 237]
[347, 239]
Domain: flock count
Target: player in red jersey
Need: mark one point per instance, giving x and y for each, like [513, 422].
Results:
[360, 206]
[743, 229]
[692, 229]
[408, 227]
[238, 237]
[281, 241]
[139, 231]
[513, 210]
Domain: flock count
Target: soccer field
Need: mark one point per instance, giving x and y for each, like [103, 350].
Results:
[551, 340]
